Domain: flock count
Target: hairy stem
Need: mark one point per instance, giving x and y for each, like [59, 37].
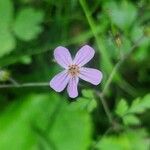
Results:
[34, 84]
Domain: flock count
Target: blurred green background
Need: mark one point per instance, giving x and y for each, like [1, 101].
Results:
[37, 118]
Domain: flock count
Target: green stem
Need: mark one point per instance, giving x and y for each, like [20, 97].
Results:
[106, 108]
[105, 56]
[99, 40]
[117, 66]
[34, 84]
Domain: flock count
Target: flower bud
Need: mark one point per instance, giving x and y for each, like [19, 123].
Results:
[4, 75]
[147, 31]
[118, 40]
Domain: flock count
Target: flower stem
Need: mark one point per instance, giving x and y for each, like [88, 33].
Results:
[101, 46]
[106, 108]
[98, 39]
[119, 63]
[13, 81]
[34, 84]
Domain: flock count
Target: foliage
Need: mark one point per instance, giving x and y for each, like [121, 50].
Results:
[35, 117]
[127, 113]
[25, 26]
[125, 141]
[122, 14]
[88, 101]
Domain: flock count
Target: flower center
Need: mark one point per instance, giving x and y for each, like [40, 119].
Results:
[73, 70]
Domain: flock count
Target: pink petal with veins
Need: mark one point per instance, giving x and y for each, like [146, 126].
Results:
[84, 55]
[72, 88]
[60, 81]
[91, 75]
[62, 56]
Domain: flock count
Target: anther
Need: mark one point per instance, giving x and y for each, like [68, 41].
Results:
[73, 70]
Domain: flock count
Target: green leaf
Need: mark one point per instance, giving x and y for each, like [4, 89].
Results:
[140, 105]
[143, 51]
[44, 121]
[26, 59]
[136, 32]
[126, 141]
[6, 13]
[122, 14]
[87, 93]
[87, 104]
[27, 24]
[91, 105]
[69, 126]
[88, 101]
[127, 113]
[122, 108]
[131, 120]
[7, 42]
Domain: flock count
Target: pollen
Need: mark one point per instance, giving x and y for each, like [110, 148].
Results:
[73, 70]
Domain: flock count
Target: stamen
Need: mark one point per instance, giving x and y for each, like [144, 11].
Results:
[73, 70]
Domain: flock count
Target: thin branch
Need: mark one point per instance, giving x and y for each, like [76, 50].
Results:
[106, 108]
[23, 85]
[13, 81]
[117, 66]
[98, 39]
[110, 78]
[94, 146]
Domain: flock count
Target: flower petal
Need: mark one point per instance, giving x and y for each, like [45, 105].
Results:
[84, 55]
[62, 56]
[60, 81]
[91, 75]
[72, 88]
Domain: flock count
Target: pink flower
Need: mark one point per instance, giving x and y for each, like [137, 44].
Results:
[74, 70]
